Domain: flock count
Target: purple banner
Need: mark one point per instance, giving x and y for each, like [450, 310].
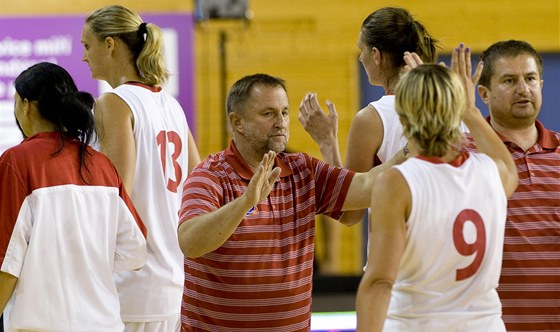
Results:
[25, 41]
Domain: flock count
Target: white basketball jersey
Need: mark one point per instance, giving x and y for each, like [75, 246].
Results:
[161, 137]
[393, 139]
[451, 264]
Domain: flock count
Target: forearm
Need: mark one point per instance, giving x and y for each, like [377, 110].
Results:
[372, 302]
[359, 193]
[7, 285]
[206, 233]
[489, 143]
[331, 152]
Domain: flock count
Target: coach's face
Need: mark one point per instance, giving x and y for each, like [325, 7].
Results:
[265, 122]
[514, 96]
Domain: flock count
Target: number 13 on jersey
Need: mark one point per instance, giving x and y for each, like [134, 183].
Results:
[165, 139]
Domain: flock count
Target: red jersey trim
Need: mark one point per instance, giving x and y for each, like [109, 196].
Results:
[154, 88]
[460, 160]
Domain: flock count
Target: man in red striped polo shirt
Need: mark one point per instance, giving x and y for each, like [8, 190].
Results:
[511, 85]
[247, 221]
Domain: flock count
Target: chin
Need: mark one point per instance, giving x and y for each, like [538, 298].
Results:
[278, 148]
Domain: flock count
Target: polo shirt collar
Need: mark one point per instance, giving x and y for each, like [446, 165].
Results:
[234, 158]
[546, 138]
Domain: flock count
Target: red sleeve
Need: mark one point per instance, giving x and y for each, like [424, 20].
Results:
[331, 187]
[202, 193]
[13, 192]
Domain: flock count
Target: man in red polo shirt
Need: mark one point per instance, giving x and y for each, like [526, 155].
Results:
[247, 221]
[510, 85]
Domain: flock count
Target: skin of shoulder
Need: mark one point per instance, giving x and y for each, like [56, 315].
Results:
[116, 135]
[364, 139]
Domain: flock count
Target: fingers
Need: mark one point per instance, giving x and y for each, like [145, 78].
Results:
[460, 67]
[464, 62]
[303, 108]
[455, 60]
[267, 174]
[461, 63]
[478, 72]
[468, 63]
[310, 105]
[268, 160]
[412, 60]
[332, 109]
[274, 175]
[314, 102]
[263, 179]
[264, 168]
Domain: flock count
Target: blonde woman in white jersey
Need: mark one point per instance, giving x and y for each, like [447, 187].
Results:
[438, 218]
[144, 131]
[375, 133]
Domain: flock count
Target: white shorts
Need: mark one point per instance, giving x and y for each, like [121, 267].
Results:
[169, 325]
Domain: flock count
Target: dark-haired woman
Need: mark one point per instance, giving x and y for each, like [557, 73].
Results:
[66, 222]
[375, 134]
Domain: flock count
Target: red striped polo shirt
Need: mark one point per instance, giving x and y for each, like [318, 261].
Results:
[530, 279]
[260, 279]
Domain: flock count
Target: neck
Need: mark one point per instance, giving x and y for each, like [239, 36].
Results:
[38, 123]
[522, 137]
[251, 157]
[124, 72]
[449, 156]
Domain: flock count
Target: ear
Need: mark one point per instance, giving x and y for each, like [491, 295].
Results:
[376, 55]
[484, 92]
[109, 43]
[236, 122]
[26, 106]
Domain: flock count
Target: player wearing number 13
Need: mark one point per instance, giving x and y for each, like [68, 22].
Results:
[144, 131]
[438, 218]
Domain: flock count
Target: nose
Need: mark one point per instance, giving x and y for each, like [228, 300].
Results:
[522, 87]
[281, 121]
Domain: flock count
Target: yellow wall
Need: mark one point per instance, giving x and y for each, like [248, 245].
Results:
[312, 44]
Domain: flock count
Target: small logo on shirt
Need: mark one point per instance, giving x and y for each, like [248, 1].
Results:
[251, 210]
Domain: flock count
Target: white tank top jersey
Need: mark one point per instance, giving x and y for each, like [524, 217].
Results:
[455, 232]
[393, 139]
[161, 135]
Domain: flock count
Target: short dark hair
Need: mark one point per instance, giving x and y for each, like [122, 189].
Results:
[239, 93]
[505, 49]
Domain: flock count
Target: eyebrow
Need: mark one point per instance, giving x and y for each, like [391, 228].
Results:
[524, 74]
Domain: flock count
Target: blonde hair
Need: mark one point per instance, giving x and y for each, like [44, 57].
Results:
[430, 102]
[147, 52]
